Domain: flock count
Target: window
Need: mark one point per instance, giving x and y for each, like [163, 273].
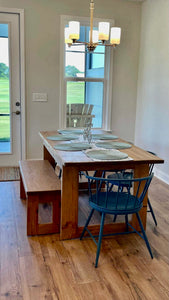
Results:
[85, 82]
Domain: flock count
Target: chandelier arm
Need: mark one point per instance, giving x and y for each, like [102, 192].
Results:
[112, 45]
[77, 43]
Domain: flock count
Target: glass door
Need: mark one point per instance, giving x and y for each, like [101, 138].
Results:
[5, 122]
[9, 90]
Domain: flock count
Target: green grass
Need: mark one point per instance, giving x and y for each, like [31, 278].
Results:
[75, 92]
[4, 108]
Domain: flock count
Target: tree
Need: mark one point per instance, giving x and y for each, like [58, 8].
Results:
[4, 71]
[72, 71]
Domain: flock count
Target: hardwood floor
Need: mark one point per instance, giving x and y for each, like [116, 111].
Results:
[43, 267]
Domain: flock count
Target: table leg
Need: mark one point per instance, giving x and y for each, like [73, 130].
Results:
[22, 189]
[140, 171]
[69, 203]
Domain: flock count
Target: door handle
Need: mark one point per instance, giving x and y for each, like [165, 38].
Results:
[17, 112]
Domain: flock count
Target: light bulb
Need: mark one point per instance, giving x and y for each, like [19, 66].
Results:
[104, 31]
[67, 33]
[74, 30]
[115, 35]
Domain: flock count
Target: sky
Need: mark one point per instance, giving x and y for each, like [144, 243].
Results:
[74, 58]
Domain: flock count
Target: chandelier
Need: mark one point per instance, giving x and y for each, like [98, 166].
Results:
[96, 37]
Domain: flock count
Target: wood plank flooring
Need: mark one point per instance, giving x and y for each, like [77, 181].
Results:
[43, 267]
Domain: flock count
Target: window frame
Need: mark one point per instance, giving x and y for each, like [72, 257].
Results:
[107, 80]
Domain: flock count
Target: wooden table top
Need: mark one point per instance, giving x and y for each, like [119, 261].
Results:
[79, 159]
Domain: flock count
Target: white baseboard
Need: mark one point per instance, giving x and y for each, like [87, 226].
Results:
[161, 175]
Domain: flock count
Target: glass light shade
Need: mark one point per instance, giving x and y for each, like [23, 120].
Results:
[95, 36]
[104, 28]
[115, 35]
[67, 33]
[74, 30]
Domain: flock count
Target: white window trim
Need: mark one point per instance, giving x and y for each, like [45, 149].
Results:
[108, 78]
[20, 12]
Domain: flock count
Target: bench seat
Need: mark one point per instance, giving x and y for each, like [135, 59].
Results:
[39, 184]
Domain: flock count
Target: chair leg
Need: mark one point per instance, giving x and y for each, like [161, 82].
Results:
[152, 212]
[126, 220]
[87, 222]
[144, 234]
[100, 239]
[111, 187]
[115, 217]
[60, 174]
[121, 189]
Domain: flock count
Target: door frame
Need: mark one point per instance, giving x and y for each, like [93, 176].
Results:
[20, 13]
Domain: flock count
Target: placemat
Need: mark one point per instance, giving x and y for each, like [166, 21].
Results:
[98, 154]
[73, 146]
[104, 136]
[72, 131]
[62, 137]
[113, 145]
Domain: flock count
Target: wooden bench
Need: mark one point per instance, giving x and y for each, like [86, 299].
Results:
[40, 185]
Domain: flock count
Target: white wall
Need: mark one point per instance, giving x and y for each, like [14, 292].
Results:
[152, 117]
[42, 29]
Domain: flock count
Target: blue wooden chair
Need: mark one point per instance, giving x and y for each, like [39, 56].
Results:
[129, 175]
[106, 201]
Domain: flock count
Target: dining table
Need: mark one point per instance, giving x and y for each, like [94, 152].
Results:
[73, 162]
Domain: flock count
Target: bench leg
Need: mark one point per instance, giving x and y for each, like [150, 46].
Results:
[32, 214]
[50, 198]
[22, 189]
[33, 201]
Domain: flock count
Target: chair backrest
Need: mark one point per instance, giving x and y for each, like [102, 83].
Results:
[151, 166]
[79, 114]
[101, 194]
